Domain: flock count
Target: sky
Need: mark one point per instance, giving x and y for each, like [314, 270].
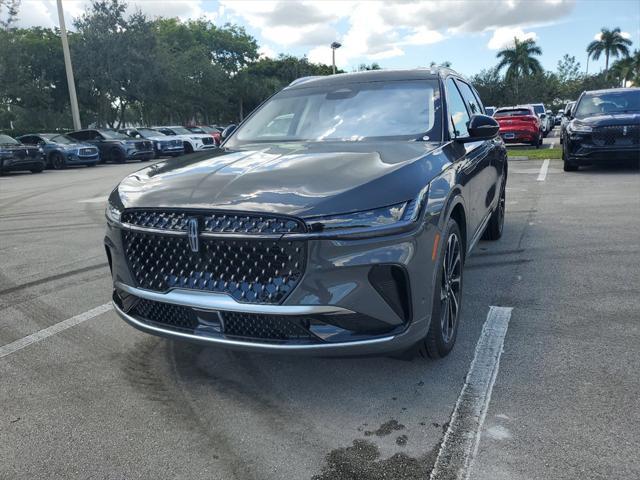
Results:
[395, 34]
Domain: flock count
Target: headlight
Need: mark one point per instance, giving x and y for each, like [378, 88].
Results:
[579, 127]
[158, 145]
[113, 213]
[41, 150]
[403, 213]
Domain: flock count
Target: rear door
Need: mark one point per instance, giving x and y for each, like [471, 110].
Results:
[492, 162]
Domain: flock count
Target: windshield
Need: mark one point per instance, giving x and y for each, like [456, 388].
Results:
[608, 103]
[149, 132]
[179, 131]
[351, 112]
[197, 130]
[113, 135]
[7, 140]
[513, 112]
[61, 139]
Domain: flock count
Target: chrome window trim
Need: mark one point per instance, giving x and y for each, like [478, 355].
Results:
[216, 301]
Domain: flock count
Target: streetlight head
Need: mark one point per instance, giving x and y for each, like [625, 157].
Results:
[335, 45]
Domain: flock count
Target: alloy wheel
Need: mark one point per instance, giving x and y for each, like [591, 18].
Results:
[450, 289]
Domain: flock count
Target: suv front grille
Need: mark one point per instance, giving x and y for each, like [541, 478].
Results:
[176, 220]
[616, 135]
[233, 324]
[265, 327]
[207, 140]
[250, 270]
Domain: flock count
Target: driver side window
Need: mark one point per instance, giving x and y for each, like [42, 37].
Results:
[458, 116]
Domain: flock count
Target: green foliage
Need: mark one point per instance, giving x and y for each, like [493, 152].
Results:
[568, 68]
[611, 43]
[519, 59]
[130, 69]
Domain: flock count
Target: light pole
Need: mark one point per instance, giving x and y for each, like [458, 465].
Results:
[75, 113]
[334, 47]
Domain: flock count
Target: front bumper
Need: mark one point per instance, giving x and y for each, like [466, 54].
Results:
[580, 150]
[140, 154]
[73, 158]
[17, 164]
[198, 147]
[336, 284]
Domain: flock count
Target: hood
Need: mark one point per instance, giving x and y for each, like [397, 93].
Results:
[73, 146]
[607, 119]
[302, 179]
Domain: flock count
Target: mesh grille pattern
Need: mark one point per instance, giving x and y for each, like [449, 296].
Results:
[266, 327]
[207, 140]
[176, 316]
[253, 271]
[88, 151]
[213, 222]
[615, 135]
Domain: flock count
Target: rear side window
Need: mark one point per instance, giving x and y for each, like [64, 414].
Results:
[458, 116]
[471, 99]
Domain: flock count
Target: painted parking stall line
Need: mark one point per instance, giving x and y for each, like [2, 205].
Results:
[462, 438]
[13, 347]
[542, 176]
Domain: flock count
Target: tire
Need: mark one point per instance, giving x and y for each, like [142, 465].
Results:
[57, 161]
[494, 228]
[444, 327]
[567, 166]
[37, 169]
[116, 156]
[188, 148]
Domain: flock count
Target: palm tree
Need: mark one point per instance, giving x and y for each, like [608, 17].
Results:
[611, 43]
[627, 68]
[519, 59]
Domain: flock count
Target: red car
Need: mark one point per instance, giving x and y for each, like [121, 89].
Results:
[206, 129]
[519, 125]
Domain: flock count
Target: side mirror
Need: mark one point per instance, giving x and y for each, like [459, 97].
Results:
[482, 127]
[226, 133]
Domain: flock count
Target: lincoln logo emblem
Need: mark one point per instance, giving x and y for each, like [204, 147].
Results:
[193, 234]
[624, 130]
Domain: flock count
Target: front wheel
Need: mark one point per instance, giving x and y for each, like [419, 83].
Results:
[117, 156]
[447, 296]
[38, 169]
[188, 148]
[567, 165]
[57, 161]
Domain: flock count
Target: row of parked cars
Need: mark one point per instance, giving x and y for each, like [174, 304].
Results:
[524, 123]
[38, 151]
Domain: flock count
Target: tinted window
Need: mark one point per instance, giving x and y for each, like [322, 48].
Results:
[147, 132]
[473, 104]
[29, 140]
[63, 139]
[608, 102]
[113, 135]
[512, 112]
[349, 112]
[538, 109]
[458, 115]
[84, 135]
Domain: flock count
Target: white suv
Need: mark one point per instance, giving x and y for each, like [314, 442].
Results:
[545, 118]
[193, 142]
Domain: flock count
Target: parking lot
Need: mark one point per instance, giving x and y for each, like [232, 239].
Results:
[94, 398]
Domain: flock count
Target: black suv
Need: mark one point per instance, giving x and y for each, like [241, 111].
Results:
[604, 126]
[16, 156]
[334, 220]
[115, 146]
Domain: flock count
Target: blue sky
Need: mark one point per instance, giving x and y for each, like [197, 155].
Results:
[397, 35]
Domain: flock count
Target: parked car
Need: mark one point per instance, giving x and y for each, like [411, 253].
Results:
[557, 120]
[519, 124]
[163, 145]
[566, 117]
[61, 151]
[15, 156]
[206, 129]
[604, 126]
[490, 111]
[115, 146]
[545, 118]
[344, 233]
[193, 142]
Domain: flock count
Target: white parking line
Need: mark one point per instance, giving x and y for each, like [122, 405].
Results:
[13, 347]
[543, 171]
[460, 443]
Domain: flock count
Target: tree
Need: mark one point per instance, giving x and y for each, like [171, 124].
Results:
[519, 59]
[12, 7]
[363, 66]
[611, 43]
[627, 68]
[568, 68]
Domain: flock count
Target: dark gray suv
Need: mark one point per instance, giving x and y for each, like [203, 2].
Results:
[335, 220]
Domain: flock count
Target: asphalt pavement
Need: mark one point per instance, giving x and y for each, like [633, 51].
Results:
[94, 398]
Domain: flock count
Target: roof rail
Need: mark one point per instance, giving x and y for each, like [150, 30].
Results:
[304, 79]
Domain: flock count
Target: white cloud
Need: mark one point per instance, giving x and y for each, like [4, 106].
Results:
[265, 51]
[504, 36]
[44, 12]
[598, 36]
